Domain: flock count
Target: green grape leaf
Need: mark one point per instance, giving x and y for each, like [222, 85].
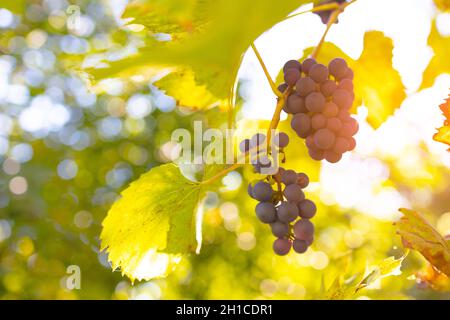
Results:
[212, 48]
[154, 220]
[372, 68]
[419, 235]
[439, 63]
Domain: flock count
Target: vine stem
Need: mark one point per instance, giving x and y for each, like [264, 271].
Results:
[222, 173]
[333, 18]
[263, 66]
[323, 7]
[276, 114]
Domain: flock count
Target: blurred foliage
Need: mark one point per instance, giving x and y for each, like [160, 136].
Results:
[443, 134]
[66, 153]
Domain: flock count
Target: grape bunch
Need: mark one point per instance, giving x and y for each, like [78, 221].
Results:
[325, 14]
[320, 103]
[286, 210]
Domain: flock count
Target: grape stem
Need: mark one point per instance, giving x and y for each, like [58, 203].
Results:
[276, 115]
[333, 18]
[263, 66]
[322, 7]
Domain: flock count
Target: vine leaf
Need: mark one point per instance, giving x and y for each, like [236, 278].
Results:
[389, 266]
[439, 63]
[377, 84]
[209, 38]
[443, 134]
[152, 224]
[443, 5]
[419, 235]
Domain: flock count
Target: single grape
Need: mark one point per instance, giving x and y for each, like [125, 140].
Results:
[315, 102]
[292, 64]
[316, 154]
[299, 246]
[347, 129]
[282, 87]
[354, 125]
[330, 110]
[262, 191]
[280, 229]
[257, 140]
[287, 211]
[324, 138]
[328, 87]
[294, 193]
[281, 140]
[282, 246]
[266, 212]
[291, 76]
[346, 84]
[352, 143]
[334, 124]
[309, 241]
[307, 209]
[344, 115]
[318, 121]
[289, 177]
[303, 229]
[332, 157]
[307, 64]
[301, 123]
[244, 146]
[305, 86]
[302, 180]
[318, 72]
[341, 145]
[295, 104]
[342, 98]
[348, 74]
[338, 68]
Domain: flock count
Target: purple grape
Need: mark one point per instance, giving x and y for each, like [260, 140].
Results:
[307, 209]
[299, 246]
[250, 190]
[294, 64]
[280, 229]
[294, 193]
[289, 177]
[287, 211]
[328, 87]
[282, 246]
[266, 212]
[307, 64]
[332, 157]
[315, 102]
[295, 104]
[316, 154]
[257, 140]
[302, 180]
[318, 72]
[305, 86]
[282, 87]
[324, 139]
[301, 123]
[262, 191]
[338, 68]
[303, 229]
[291, 76]
[281, 140]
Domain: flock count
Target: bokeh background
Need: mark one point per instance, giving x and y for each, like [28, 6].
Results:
[67, 151]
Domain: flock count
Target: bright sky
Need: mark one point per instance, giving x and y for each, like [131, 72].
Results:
[357, 180]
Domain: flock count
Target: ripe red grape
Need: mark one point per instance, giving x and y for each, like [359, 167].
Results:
[281, 140]
[291, 76]
[324, 138]
[282, 246]
[262, 191]
[299, 246]
[318, 121]
[330, 110]
[292, 64]
[303, 229]
[337, 67]
[305, 86]
[307, 64]
[287, 211]
[315, 102]
[334, 124]
[289, 177]
[307, 209]
[318, 72]
[294, 193]
[266, 212]
[280, 229]
[328, 87]
[302, 180]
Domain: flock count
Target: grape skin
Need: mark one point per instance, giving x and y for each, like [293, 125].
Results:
[307, 64]
[332, 156]
[316, 154]
[318, 121]
[281, 246]
[299, 246]
[250, 190]
[282, 87]
[324, 139]
[315, 102]
[301, 123]
[287, 211]
[281, 140]
[294, 193]
[266, 212]
[257, 140]
[291, 76]
[346, 84]
[279, 229]
[303, 229]
[262, 191]
[330, 110]
[289, 177]
[341, 145]
[307, 209]
[352, 143]
[334, 124]
[328, 87]
[342, 99]
[337, 67]
[244, 146]
[318, 72]
[292, 64]
[305, 86]
[295, 104]
[302, 180]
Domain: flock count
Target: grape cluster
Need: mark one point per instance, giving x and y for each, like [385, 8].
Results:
[320, 103]
[286, 210]
[325, 14]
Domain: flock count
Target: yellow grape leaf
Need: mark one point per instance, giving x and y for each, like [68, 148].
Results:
[443, 134]
[443, 5]
[340, 289]
[153, 222]
[212, 50]
[419, 235]
[439, 63]
[377, 84]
